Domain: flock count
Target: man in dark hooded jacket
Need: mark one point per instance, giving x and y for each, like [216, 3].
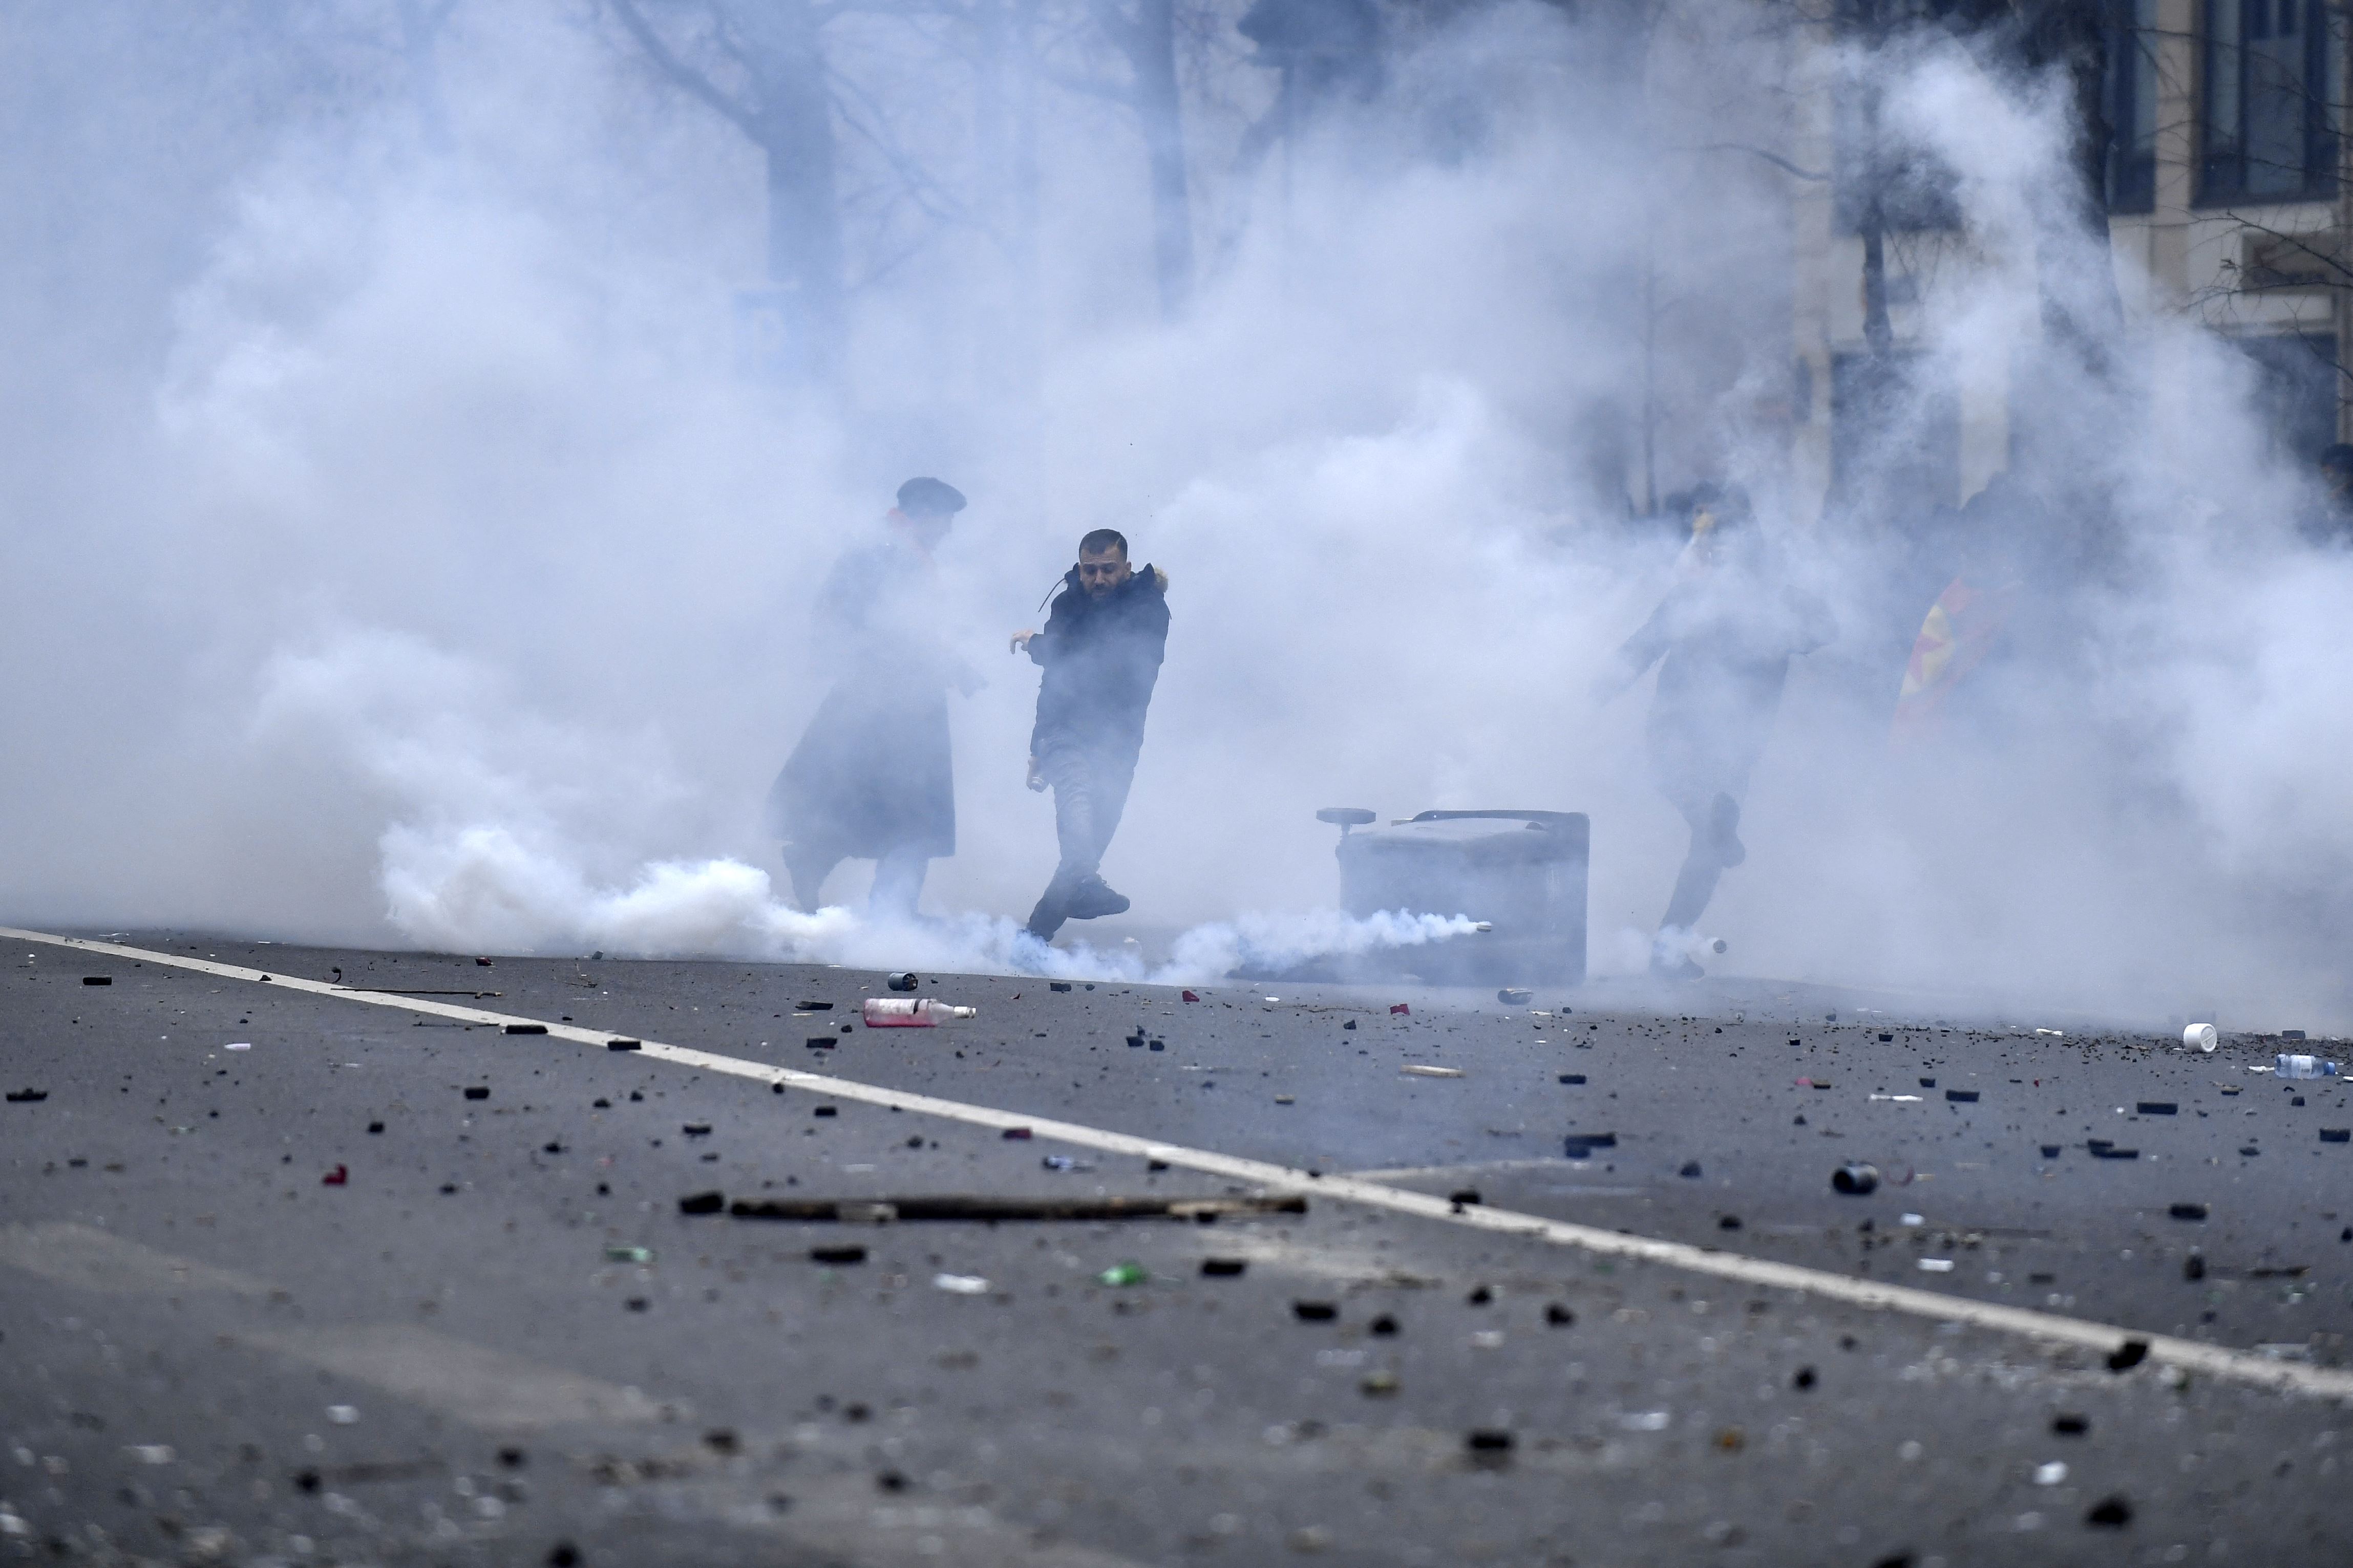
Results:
[872, 778]
[1101, 652]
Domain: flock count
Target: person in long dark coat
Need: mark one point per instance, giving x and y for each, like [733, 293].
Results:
[873, 777]
[1722, 637]
[1100, 653]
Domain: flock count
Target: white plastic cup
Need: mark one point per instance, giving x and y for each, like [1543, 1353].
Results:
[2201, 1037]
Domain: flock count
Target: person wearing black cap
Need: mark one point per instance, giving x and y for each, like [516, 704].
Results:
[872, 776]
[1101, 652]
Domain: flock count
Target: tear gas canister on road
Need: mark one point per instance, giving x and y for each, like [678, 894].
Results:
[2201, 1037]
[1523, 873]
[913, 1013]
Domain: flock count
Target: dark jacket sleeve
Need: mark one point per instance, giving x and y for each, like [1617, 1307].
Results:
[1053, 642]
[1651, 642]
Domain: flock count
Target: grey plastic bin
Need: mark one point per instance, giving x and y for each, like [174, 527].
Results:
[1522, 871]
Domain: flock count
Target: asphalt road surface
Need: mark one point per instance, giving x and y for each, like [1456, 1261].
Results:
[295, 1275]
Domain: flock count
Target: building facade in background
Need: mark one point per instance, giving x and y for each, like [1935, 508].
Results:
[2227, 205]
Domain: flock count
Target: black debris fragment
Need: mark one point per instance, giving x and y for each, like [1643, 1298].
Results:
[526, 1028]
[836, 1254]
[1058, 985]
[1223, 1267]
[2113, 1513]
[1690, 1170]
[2069, 1426]
[375, 1126]
[2128, 1355]
[696, 1128]
[2102, 1148]
[1927, 1083]
[2051, 1151]
[1558, 1316]
[1855, 1179]
[2336, 1135]
[823, 1110]
[563, 1554]
[27, 1096]
[819, 1042]
[1728, 1222]
[1314, 1311]
[1961, 1096]
[1488, 1445]
[1479, 1296]
[1383, 1325]
[1572, 1078]
[478, 1091]
[98, 980]
[1580, 1145]
[958, 1206]
[2193, 1267]
[1463, 1195]
[624, 1045]
[1803, 1380]
[703, 1203]
[2156, 1108]
[2187, 1211]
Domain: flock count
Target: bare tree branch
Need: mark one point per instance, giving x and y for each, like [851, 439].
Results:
[921, 187]
[1773, 158]
[689, 80]
[1089, 87]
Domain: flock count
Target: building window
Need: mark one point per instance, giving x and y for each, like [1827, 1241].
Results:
[1895, 433]
[2268, 128]
[2132, 106]
[2297, 389]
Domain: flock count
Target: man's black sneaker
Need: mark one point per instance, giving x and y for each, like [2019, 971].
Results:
[1092, 899]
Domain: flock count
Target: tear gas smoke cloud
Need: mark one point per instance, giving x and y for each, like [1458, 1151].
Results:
[403, 552]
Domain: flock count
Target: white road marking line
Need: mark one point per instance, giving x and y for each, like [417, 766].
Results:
[93, 1259]
[484, 1387]
[481, 1387]
[2189, 1355]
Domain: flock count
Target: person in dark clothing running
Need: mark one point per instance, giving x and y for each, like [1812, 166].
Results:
[1722, 637]
[872, 778]
[1101, 652]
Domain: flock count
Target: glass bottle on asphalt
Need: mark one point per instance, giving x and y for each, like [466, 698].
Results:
[913, 1013]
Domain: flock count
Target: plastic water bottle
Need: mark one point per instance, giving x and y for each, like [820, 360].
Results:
[2287, 1065]
[913, 1013]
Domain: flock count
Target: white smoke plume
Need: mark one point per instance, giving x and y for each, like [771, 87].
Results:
[403, 553]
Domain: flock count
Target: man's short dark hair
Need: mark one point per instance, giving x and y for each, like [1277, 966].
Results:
[1103, 539]
[930, 498]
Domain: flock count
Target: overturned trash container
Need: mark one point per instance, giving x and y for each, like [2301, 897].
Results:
[1523, 872]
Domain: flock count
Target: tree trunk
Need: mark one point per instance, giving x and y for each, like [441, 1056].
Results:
[2081, 306]
[1153, 59]
[795, 126]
